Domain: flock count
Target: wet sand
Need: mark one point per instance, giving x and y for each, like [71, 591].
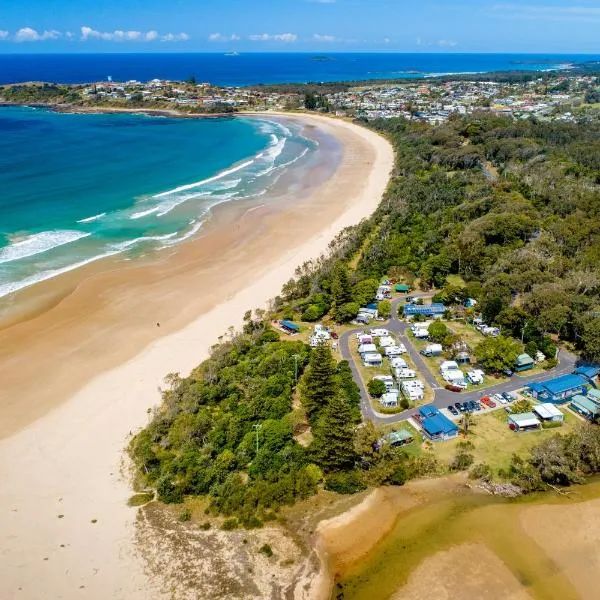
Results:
[79, 377]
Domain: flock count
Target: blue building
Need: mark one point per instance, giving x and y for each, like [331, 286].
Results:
[427, 310]
[560, 389]
[435, 425]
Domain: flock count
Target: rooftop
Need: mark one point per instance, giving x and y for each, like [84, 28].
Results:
[439, 424]
[424, 309]
[560, 384]
[527, 419]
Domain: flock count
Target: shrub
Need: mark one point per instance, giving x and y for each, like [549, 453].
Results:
[481, 471]
[205, 526]
[398, 477]
[376, 388]
[344, 483]
[522, 406]
[462, 460]
[347, 312]
[168, 491]
[404, 403]
[313, 313]
[551, 424]
[384, 308]
[185, 515]
[230, 524]
[550, 363]
[266, 550]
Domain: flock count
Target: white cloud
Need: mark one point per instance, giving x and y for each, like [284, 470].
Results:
[27, 34]
[219, 37]
[324, 38]
[87, 33]
[175, 37]
[3, 35]
[446, 43]
[277, 37]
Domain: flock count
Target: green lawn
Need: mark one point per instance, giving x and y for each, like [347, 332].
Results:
[495, 443]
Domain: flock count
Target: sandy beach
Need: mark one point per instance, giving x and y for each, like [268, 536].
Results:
[79, 377]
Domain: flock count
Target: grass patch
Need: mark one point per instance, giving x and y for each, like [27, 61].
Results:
[140, 499]
[494, 443]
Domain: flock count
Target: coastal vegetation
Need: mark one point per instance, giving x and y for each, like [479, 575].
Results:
[506, 209]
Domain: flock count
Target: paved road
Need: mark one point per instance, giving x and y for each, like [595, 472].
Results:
[442, 397]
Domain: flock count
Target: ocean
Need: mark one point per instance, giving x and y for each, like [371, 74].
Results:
[254, 68]
[76, 188]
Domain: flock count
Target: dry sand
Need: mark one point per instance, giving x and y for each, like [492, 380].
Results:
[463, 572]
[570, 536]
[79, 378]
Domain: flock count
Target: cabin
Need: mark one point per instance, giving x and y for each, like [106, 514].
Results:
[548, 412]
[560, 389]
[435, 425]
[524, 362]
[585, 407]
[289, 327]
[524, 422]
[389, 399]
[397, 439]
[367, 349]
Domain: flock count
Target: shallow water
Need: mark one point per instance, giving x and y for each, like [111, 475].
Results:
[76, 188]
[446, 520]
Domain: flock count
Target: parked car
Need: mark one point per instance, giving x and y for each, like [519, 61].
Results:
[473, 405]
[467, 407]
[408, 299]
[452, 410]
[508, 372]
[458, 406]
[488, 402]
[334, 335]
[453, 388]
[507, 396]
[500, 399]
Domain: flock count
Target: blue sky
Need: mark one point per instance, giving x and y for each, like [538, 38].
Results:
[556, 26]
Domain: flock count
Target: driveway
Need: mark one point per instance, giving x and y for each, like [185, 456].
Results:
[442, 397]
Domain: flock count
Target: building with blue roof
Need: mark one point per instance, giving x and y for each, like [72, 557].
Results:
[435, 425]
[427, 310]
[589, 371]
[560, 389]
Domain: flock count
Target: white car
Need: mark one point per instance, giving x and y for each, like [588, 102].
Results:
[500, 398]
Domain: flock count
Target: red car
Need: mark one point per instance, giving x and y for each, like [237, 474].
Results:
[488, 402]
[454, 388]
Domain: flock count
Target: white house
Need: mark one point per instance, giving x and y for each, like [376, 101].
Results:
[405, 374]
[548, 412]
[388, 380]
[449, 365]
[475, 376]
[379, 332]
[389, 399]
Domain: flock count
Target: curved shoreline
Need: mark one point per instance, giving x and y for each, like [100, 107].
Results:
[70, 461]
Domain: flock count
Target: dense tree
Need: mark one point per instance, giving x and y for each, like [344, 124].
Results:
[384, 308]
[497, 353]
[438, 332]
[318, 385]
[333, 443]
[376, 388]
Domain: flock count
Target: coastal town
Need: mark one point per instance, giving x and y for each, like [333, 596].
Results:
[563, 97]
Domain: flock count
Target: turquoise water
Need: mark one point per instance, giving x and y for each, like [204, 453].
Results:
[77, 188]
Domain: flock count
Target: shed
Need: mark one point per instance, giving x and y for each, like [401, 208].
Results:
[403, 288]
[289, 326]
[585, 407]
[524, 362]
[560, 389]
[548, 412]
[399, 438]
[523, 421]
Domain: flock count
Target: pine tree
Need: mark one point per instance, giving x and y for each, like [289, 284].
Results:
[340, 287]
[333, 436]
[318, 383]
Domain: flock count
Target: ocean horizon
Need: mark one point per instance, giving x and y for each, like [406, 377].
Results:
[243, 69]
[77, 188]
